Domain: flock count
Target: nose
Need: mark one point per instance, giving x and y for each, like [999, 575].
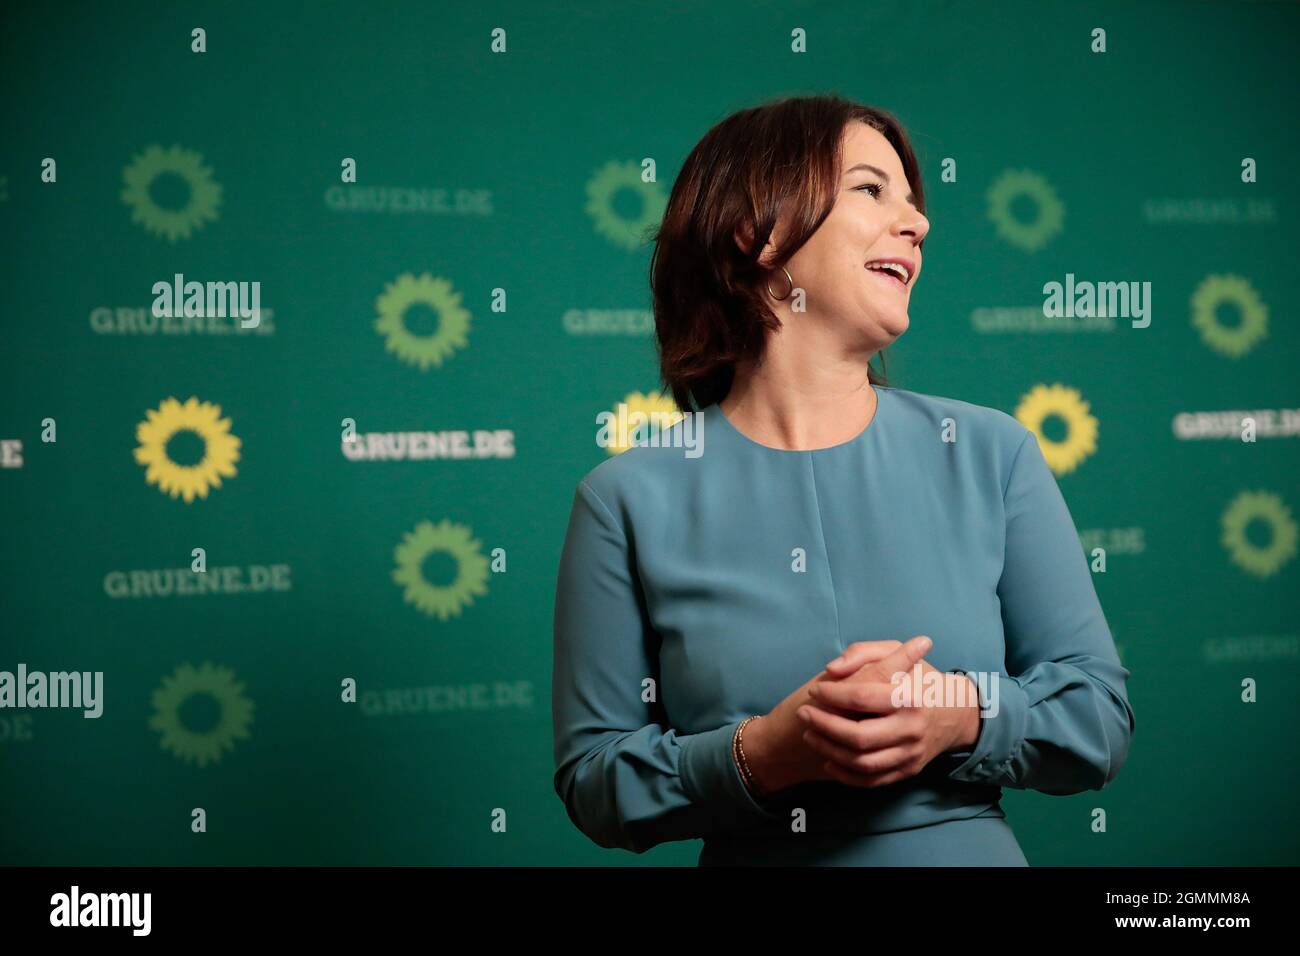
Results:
[912, 223]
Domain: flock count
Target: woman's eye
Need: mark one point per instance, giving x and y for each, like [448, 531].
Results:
[873, 188]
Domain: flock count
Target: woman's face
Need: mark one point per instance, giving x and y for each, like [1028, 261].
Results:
[872, 219]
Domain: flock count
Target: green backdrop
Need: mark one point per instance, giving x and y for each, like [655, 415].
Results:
[520, 170]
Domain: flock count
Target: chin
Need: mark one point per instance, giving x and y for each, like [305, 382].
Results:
[894, 326]
[880, 328]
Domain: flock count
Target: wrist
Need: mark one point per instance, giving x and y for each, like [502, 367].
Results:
[768, 770]
[968, 728]
[743, 758]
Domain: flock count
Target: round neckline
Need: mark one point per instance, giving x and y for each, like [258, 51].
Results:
[856, 439]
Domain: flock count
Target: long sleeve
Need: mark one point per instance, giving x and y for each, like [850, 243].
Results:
[1064, 722]
[626, 778]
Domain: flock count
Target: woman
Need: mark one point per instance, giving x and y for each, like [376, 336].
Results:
[730, 625]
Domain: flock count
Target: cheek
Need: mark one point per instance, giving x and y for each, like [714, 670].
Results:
[871, 225]
[856, 233]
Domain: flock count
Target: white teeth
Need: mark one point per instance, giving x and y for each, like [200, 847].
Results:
[894, 267]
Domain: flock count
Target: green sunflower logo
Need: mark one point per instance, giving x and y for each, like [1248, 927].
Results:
[1267, 509]
[1216, 291]
[147, 174]
[432, 292]
[608, 181]
[1044, 401]
[1049, 213]
[457, 542]
[207, 684]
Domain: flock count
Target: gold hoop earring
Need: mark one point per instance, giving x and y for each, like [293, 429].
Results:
[782, 298]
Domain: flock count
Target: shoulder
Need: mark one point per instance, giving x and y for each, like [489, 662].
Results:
[989, 427]
[647, 475]
[978, 444]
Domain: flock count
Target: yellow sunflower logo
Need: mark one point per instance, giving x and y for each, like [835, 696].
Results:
[608, 181]
[455, 541]
[1067, 404]
[220, 448]
[661, 413]
[204, 685]
[1049, 213]
[1252, 325]
[1267, 509]
[142, 176]
[434, 293]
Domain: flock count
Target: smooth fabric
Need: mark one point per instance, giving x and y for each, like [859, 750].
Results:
[977, 841]
[680, 609]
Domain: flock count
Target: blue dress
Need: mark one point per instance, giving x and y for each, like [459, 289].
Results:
[681, 609]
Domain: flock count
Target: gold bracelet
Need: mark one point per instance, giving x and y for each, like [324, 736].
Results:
[738, 755]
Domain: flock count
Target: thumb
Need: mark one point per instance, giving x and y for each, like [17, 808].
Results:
[859, 653]
[905, 658]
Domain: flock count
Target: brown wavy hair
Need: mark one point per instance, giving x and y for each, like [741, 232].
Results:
[708, 305]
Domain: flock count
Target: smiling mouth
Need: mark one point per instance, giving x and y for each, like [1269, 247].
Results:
[889, 277]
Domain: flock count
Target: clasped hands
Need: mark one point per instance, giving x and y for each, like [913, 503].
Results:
[853, 724]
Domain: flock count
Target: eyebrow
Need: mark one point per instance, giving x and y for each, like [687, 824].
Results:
[911, 198]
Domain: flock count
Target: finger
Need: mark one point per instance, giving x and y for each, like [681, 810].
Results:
[867, 697]
[859, 653]
[870, 762]
[871, 733]
[906, 657]
[829, 749]
[860, 779]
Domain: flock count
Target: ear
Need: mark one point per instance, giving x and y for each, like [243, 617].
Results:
[744, 238]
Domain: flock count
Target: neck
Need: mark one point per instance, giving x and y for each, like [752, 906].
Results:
[801, 402]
